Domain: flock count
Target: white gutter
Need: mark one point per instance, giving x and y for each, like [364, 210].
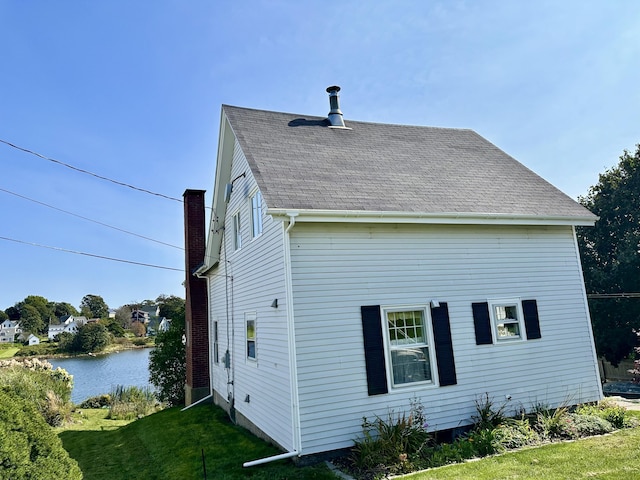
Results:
[467, 218]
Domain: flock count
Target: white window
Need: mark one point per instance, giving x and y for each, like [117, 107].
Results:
[409, 351]
[237, 232]
[256, 214]
[250, 322]
[506, 318]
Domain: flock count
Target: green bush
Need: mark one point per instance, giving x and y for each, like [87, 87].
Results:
[588, 425]
[100, 401]
[555, 424]
[39, 384]
[516, 433]
[606, 409]
[487, 415]
[41, 349]
[28, 447]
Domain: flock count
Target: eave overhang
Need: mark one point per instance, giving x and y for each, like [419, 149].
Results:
[448, 218]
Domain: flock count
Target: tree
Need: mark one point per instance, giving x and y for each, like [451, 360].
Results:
[30, 319]
[611, 259]
[167, 362]
[3, 316]
[138, 329]
[92, 337]
[94, 306]
[61, 309]
[123, 316]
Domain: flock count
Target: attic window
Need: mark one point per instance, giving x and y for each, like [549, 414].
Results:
[256, 214]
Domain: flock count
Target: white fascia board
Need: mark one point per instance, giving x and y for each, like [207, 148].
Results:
[452, 218]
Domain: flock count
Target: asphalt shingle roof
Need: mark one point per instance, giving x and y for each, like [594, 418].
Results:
[301, 163]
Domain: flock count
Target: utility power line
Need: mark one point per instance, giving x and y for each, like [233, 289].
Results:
[123, 184]
[90, 254]
[88, 219]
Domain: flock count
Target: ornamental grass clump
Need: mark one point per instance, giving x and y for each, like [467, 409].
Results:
[389, 446]
[132, 402]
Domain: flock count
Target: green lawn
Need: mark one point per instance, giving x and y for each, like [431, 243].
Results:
[8, 352]
[170, 445]
[610, 457]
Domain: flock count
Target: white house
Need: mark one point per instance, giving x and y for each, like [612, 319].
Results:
[352, 267]
[8, 331]
[67, 323]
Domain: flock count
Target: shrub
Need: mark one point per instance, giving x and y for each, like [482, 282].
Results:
[587, 425]
[100, 401]
[516, 433]
[131, 402]
[28, 447]
[39, 384]
[606, 409]
[484, 441]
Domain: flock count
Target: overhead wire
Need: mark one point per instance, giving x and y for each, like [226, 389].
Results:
[90, 254]
[87, 172]
[89, 219]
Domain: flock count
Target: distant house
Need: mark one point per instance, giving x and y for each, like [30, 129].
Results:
[164, 324]
[9, 330]
[350, 269]
[67, 323]
[145, 314]
[30, 339]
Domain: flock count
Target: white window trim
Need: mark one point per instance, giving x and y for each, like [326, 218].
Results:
[430, 347]
[496, 302]
[236, 238]
[216, 342]
[252, 196]
[251, 316]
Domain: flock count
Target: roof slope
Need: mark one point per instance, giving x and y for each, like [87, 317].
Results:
[301, 163]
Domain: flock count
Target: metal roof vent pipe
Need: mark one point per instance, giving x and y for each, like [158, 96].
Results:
[335, 115]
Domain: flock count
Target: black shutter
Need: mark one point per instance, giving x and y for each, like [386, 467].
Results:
[482, 323]
[531, 320]
[374, 349]
[443, 345]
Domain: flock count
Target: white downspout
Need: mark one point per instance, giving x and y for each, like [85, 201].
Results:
[293, 370]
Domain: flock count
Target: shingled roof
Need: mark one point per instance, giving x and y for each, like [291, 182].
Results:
[301, 163]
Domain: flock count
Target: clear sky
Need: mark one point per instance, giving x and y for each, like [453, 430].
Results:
[131, 91]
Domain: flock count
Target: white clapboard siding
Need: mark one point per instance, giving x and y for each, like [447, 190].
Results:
[338, 268]
[254, 277]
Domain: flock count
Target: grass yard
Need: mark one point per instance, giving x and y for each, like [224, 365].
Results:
[8, 352]
[170, 444]
[610, 457]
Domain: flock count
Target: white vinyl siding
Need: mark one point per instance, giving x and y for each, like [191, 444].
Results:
[248, 280]
[338, 268]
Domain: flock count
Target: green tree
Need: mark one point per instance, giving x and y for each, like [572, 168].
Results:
[92, 337]
[167, 362]
[611, 259]
[13, 313]
[3, 316]
[94, 306]
[171, 306]
[61, 309]
[30, 319]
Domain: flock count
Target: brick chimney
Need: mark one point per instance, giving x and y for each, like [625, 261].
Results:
[196, 305]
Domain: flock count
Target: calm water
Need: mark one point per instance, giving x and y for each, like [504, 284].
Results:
[97, 375]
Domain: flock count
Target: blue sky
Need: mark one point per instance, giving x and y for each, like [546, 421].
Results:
[132, 91]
